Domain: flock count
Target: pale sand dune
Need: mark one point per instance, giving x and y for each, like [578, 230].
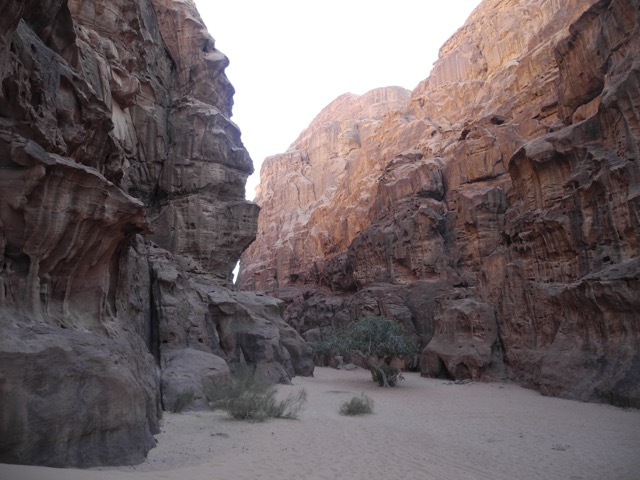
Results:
[424, 429]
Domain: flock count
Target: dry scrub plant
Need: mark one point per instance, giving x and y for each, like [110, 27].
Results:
[183, 400]
[357, 406]
[247, 397]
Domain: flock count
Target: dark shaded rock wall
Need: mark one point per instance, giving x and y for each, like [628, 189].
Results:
[122, 215]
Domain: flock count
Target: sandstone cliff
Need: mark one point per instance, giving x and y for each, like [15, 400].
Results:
[494, 212]
[313, 196]
[122, 214]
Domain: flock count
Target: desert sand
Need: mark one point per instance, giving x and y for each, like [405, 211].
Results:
[423, 429]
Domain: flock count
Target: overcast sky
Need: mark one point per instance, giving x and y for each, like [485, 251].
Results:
[290, 59]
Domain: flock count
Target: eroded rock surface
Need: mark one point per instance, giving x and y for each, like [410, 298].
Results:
[315, 196]
[497, 206]
[122, 215]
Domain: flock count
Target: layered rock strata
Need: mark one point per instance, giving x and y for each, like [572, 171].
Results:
[122, 215]
[501, 224]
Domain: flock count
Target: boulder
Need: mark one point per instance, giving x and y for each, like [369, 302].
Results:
[188, 370]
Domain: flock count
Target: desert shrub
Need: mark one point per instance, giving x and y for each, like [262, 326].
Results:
[357, 406]
[247, 397]
[290, 407]
[375, 341]
[379, 337]
[329, 345]
[332, 343]
[183, 400]
[380, 372]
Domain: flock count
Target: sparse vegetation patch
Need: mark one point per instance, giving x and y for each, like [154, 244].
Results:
[375, 341]
[357, 406]
[183, 400]
[247, 397]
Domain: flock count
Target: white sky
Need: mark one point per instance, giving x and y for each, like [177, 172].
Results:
[290, 59]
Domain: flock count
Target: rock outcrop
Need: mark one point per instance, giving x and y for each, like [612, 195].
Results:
[122, 215]
[328, 188]
[494, 211]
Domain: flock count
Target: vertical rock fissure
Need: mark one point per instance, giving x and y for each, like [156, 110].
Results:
[152, 330]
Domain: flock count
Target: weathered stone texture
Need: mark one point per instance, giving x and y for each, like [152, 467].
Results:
[122, 215]
[80, 398]
[502, 221]
[333, 178]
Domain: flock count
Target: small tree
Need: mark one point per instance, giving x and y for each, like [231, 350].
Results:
[375, 340]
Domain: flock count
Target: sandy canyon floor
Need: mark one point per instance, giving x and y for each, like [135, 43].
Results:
[424, 429]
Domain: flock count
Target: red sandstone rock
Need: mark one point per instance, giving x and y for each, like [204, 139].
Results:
[504, 197]
[326, 174]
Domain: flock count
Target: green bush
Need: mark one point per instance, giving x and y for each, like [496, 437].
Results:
[357, 406]
[183, 400]
[247, 397]
[373, 340]
[379, 337]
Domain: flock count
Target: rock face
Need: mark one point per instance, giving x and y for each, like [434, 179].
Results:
[122, 215]
[315, 197]
[494, 211]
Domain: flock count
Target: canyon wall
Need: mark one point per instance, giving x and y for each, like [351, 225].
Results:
[122, 215]
[494, 210]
